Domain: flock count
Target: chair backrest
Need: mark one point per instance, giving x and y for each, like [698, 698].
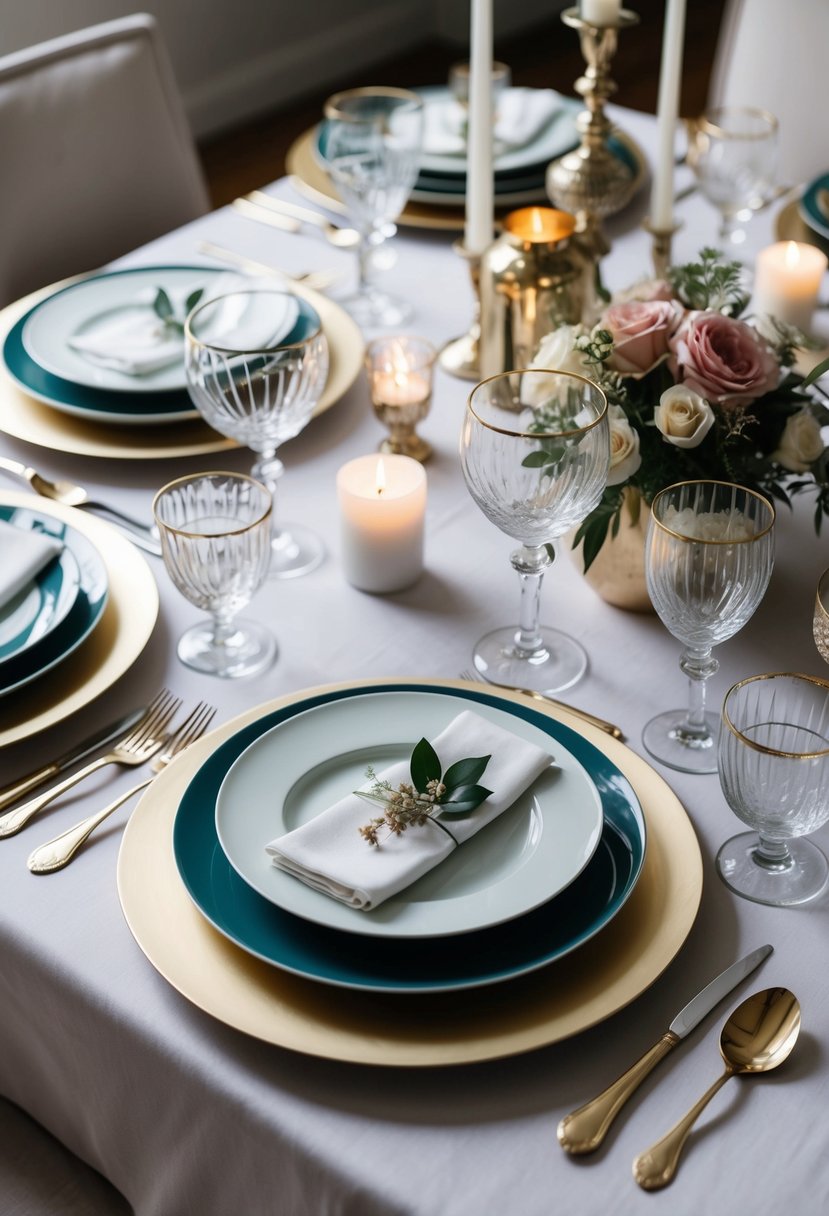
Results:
[772, 55]
[97, 155]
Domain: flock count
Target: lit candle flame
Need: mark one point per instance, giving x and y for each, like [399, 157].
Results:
[398, 365]
[380, 477]
[792, 254]
[537, 221]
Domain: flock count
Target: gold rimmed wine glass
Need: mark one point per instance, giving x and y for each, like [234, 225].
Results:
[734, 157]
[535, 452]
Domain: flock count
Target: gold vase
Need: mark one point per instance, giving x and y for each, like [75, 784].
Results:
[532, 280]
[617, 573]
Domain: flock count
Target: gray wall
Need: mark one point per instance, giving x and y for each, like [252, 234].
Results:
[237, 58]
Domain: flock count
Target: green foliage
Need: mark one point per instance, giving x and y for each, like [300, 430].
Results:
[163, 308]
[710, 284]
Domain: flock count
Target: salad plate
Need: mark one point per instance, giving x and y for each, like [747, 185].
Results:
[40, 607]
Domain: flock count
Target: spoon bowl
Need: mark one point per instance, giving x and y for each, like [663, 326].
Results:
[759, 1035]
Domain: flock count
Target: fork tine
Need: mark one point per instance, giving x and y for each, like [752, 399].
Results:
[192, 728]
[159, 715]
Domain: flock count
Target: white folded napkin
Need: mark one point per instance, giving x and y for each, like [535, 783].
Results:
[522, 114]
[330, 855]
[134, 340]
[23, 554]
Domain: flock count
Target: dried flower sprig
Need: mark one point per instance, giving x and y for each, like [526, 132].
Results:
[430, 792]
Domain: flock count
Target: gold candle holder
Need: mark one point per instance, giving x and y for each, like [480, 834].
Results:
[531, 281]
[400, 381]
[461, 356]
[590, 181]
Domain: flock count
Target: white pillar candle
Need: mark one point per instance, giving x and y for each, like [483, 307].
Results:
[382, 511]
[787, 281]
[480, 203]
[600, 12]
[667, 112]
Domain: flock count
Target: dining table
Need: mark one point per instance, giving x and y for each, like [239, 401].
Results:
[188, 1115]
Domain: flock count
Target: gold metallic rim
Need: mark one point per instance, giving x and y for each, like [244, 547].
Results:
[520, 371]
[331, 107]
[111, 649]
[704, 123]
[760, 747]
[257, 350]
[488, 1023]
[180, 481]
[705, 481]
[22, 417]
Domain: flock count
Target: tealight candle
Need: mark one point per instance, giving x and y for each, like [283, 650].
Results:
[382, 503]
[600, 12]
[400, 379]
[787, 281]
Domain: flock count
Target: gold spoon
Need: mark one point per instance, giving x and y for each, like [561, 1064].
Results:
[758, 1036]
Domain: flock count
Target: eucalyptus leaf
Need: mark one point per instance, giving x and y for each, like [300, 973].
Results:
[162, 305]
[193, 299]
[466, 799]
[464, 772]
[424, 765]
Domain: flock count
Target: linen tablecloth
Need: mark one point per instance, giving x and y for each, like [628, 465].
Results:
[187, 1117]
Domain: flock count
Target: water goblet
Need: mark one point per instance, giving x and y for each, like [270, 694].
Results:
[215, 540]
[734, 154]
[709, 553]
[371, 140]
[260, 390]
[535, 451]
[774, 773]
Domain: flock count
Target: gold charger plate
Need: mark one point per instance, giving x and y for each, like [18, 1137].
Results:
[22, 417]
[113, 646]
[302, 163]
[790, 226]
[411, 1031]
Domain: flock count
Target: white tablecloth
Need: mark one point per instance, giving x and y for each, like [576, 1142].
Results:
[185, 1116]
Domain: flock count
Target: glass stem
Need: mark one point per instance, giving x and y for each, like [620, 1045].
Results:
[223, 630]
[268, 469]
[364, 252]
[530, 562]
[772, 854]
[699, 665]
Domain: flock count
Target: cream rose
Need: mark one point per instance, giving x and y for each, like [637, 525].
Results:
[683, 417]
[557, 352]
[800, 444]
[625, 457]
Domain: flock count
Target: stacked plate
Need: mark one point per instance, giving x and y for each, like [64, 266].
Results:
[813, 207]
[49, 618]
[554, 872]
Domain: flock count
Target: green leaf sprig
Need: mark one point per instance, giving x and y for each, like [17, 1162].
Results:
[455, 793]
[163, 308]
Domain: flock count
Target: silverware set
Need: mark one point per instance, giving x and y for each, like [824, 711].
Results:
[139, 738]
[757, 1037]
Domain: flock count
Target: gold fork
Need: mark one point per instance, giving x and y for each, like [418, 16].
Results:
[140, 745]
[58, 852]
[582, 714]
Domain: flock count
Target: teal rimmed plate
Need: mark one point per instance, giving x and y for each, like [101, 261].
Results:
[466, 960]
[40, 607]
[812, 213]
[84, 614]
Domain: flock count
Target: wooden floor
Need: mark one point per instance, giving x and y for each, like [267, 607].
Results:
[239, 160]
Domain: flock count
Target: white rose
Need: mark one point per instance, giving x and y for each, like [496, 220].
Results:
[625, 457]
[800, 443]
[683, 417]
[557, 351]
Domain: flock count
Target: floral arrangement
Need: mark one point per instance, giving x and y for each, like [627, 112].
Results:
[430, 791]
[695, 391]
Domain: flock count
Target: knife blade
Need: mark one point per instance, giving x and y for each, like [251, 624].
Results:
[584, 1130]
[18, 789]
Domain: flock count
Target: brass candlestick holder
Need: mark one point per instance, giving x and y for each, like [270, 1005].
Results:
[591, 182]
[461, 356]
[661, 247]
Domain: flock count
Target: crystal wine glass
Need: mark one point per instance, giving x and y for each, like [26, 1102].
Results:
[535, 452]
[774, 772]
[260, 393]
[709, 552]
[734, 156]
[371, 141]
[215, 540]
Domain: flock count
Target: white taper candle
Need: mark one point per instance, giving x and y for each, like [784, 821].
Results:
[480, 216]
[670, 77]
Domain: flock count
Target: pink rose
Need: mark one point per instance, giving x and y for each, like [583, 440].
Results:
[724, 360]
[640, 329]
[645, 289]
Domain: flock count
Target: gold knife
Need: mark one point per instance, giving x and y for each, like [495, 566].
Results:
[584, 1130]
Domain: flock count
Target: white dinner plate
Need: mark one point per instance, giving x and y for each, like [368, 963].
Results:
[40, 607]
[76, 310]
[527, 855]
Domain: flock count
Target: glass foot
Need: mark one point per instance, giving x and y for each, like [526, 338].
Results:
[666, 740]
[377, 310]
[804, 877]
[295, 551]
[559, 664]
[249, 649]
